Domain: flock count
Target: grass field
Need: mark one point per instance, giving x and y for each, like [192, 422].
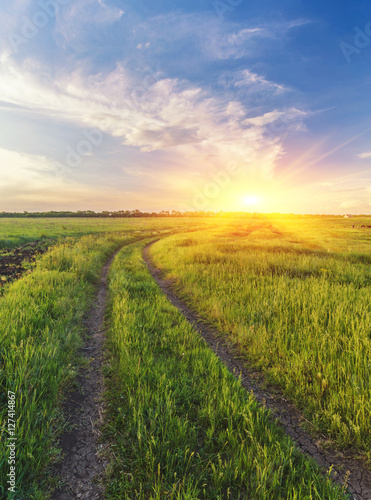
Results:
[17, 231]
[41, 326]
[291, 294]
[181, 424]
[294, 296]
[40, 332]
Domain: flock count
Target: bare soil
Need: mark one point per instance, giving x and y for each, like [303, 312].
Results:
[347, 468]
[12, 261]
[83, 466]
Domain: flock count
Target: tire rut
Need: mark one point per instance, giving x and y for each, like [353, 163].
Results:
[83, 464]
[345, 467]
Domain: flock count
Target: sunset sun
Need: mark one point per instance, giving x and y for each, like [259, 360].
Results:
[251, 200]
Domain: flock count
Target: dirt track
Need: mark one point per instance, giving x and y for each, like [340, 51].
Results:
[83, 465]
[346, 468]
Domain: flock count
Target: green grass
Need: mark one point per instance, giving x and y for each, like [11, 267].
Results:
[15, 232]
[40, 332]
[181, 426]
[296, 308]
[41, 322]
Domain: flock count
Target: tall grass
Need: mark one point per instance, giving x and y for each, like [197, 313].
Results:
[181, 426]
[297, 311]
[41, 321]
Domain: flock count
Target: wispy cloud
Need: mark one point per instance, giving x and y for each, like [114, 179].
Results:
[88, 12]
[211, 39]
[11, 15]
[141, 46]
[291, 119]
[168, 114]
[256, 82]
[364, 155]
[35, 170]
[221, 42]
[234, 44]
[186, 121]
[30, 181]
[77, 20]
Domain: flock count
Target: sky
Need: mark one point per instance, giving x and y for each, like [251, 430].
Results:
[252, 105]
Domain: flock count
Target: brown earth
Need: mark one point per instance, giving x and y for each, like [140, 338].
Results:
[12, 261]
[83, 466]
[346, 467]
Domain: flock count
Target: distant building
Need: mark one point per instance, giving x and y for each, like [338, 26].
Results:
[348, 216]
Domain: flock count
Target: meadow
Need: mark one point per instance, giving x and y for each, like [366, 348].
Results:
[41, 331]
[290, 294]
[181, 425]
[293, 296]
[15, 232]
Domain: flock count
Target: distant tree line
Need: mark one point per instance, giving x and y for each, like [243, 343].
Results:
[162, 213]
[112, 214]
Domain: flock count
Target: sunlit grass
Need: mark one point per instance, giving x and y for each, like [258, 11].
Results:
[15, 232]
[297, 309]
[41, 325]
[181, 426]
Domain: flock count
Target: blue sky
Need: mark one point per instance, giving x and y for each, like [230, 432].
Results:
[215, 105]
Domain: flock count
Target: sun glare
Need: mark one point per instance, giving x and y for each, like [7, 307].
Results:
[251, 200]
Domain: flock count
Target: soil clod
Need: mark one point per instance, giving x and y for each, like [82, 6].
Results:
[15, 262]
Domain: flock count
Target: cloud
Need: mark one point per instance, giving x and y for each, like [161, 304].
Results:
[218, 44]
[32, 182]
[78, 20]
[206, 37]
[256, 82]
[35, 170]
[141, 46]
[265, 119]
[226, 41]
[364, 155]
[151, 113]
[90, 12]
[275, 122]
[11, 14]
[71, 23]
